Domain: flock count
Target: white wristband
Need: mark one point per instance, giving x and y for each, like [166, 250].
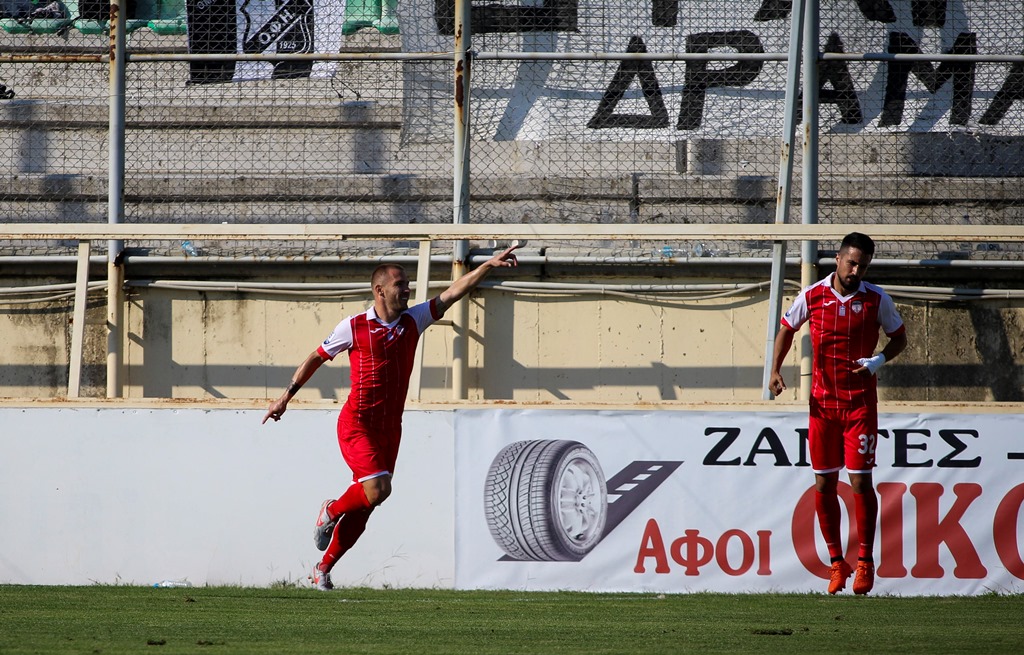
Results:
[872, 363]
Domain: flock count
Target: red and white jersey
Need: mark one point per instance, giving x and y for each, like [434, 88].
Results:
[381, 356]
[843, 330]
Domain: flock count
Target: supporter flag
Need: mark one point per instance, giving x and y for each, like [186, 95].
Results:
[261, 26]
[582, 99]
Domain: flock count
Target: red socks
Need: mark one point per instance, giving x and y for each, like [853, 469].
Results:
[353, 499]
[826, 506]
[354, 509]
[350, 527]
[829, 520]
[866, 506]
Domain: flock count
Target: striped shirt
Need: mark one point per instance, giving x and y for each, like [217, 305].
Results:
[843, 330]
[381, 357]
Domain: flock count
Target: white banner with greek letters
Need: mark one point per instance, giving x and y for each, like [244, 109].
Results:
[745, 97]
[678, 501]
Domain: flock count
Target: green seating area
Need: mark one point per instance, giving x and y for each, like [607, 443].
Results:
[160, 16]
[22, 22]
[168, 17]
[379, 14]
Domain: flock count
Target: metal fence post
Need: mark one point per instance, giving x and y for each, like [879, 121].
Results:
[115, 195]
[78, 320]
[460, 319]
[809, 191]
[782, 201]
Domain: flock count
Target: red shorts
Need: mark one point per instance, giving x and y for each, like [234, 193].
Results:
[842, 437]
[369, 453]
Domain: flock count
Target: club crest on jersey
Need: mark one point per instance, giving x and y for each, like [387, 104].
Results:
[857, 306]
[395, 333]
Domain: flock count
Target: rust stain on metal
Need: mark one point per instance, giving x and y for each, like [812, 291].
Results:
[785, 153]
[460, 80]
[113, 31]
[53, 59]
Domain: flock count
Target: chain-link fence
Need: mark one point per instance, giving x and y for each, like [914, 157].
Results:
[589, 111]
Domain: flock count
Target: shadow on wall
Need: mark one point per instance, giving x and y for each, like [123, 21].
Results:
[994, 348]
[222, 381]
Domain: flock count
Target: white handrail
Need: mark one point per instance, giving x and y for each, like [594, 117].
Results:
[444, 231]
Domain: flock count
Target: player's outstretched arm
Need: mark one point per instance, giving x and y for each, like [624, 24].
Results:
[783, 342]
[470, 280]
[302, 374]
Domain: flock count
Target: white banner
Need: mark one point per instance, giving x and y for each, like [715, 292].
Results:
[686, 501]
[672, 100]
[108, 495]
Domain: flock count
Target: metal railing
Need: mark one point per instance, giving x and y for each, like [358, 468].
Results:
[85, 234]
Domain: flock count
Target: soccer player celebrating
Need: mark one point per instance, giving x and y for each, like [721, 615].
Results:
[381, 343]
[845, 315]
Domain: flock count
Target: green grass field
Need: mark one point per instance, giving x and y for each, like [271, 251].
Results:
[120, 619]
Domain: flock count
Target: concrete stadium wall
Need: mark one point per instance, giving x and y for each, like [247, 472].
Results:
[187, 344]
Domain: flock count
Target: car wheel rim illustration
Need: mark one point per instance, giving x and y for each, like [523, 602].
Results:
[546, 500]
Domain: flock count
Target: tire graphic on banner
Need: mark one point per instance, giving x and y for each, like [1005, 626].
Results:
[546, 500]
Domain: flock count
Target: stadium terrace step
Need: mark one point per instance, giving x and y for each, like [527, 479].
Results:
[161, 113]
[183, 197]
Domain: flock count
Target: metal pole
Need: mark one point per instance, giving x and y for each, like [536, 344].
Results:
[115, 195]
[422, 295]
[78, 320]
[460, 319]
[809, 191]
[782, 200]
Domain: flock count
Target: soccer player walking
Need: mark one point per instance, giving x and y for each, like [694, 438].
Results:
[381, 343]
[845, 315]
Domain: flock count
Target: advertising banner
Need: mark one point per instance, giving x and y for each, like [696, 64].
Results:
[681, 501]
